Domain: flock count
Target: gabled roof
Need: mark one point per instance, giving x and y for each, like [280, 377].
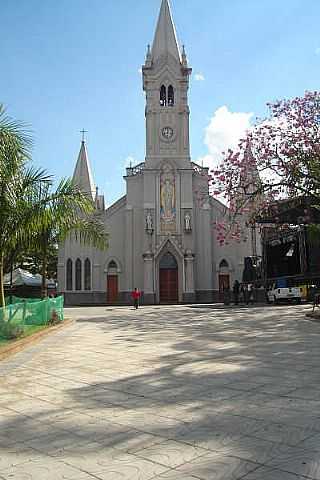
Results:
[165, 40]
[112, 209]
[82, 174]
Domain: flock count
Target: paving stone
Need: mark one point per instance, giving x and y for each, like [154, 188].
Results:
[311, 443]
[135, 441]
[174, 475]
[283, 433]
[48, 469]
[171, 453]
[122, 466]
[265, 473]
[15, 455]
[300, 462]
[253, 449]
[50, 443]
[21, 430]
[90, 457]
[218, 432]
[218, 467]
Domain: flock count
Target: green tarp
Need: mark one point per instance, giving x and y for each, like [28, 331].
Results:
[23, 313]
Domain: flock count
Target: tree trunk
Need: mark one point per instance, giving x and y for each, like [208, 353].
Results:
[11, 280]
[44, 290]
[2, 300]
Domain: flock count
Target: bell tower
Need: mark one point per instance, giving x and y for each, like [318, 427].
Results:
[167, 172]
[166, 83]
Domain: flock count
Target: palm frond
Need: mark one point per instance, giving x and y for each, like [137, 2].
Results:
[87, 231]
[15, 137]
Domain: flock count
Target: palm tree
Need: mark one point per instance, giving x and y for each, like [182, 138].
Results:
[16, 183]
[67, 211]
[30, 214]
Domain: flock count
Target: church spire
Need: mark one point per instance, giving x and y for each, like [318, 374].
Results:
[82, 174]
[251, 175]
[165, 39]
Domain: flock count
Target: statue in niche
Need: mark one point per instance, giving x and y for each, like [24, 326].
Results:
[149, 222]
[187, 222]
[167, 200]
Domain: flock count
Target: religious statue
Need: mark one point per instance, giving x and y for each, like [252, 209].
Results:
[149, 222]
[167, 201]
[187, 222]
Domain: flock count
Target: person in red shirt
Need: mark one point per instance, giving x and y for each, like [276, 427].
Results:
[136, 296]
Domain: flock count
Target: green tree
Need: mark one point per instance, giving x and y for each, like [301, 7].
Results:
[66, 212]
[16, 183]
[32, 216]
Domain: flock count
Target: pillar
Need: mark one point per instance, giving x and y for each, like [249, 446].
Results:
[149, 294]
[189, 293]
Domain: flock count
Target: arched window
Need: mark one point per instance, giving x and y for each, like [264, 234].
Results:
[163, 96]
[170, 96]
[87, 274]
[224, 264]
[112, 268]
[168, 262]
[69, 274]
[78, 274]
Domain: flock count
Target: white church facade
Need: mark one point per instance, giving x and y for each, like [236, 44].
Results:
[161, 237]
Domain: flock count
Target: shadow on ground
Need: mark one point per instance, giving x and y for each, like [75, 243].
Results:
[235, 381]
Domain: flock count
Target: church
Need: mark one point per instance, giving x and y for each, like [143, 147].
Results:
[161, 233]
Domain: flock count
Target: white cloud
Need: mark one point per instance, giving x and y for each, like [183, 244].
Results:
[317, 51]
[224, 131]
[140, 70]
[199, 77]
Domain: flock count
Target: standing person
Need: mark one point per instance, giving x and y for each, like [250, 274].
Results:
[250, 294]
[236, 291]
[226, 296]
[245, 294]
[136, 296]
[241, 296]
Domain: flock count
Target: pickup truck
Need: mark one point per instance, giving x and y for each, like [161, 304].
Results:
[289, 294]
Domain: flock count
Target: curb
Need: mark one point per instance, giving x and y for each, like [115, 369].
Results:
[20, 345]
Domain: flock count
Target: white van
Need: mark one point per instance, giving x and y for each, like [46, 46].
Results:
[289, 294]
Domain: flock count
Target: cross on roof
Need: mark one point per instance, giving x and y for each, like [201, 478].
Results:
[83, 134]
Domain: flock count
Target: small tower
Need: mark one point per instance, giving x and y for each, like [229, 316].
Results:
[184, 59]
[82, 174]
[166, 82]
[250, 178]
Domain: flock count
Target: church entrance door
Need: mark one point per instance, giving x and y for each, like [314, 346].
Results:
[168, 281]
[112, 289]
[224, 283]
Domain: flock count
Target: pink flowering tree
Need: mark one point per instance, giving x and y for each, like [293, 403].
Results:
[279, 159]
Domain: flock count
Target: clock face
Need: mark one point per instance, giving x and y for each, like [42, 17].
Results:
[167, 133]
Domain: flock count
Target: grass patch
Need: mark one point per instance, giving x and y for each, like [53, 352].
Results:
[29, 330]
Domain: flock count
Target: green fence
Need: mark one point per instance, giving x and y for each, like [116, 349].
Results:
[23, 314]
[13, 300]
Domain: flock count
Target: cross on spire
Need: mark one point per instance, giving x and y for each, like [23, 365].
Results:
[83, 132]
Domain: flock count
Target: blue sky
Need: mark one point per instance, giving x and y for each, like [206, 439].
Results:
[69, 64]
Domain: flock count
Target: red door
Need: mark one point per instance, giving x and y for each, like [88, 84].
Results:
[112, 289]
[224, 283]
[169, 286]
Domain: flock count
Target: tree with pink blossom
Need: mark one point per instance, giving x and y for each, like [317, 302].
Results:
[278, 159]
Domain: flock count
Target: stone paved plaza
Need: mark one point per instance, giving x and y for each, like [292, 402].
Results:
[171, 393]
